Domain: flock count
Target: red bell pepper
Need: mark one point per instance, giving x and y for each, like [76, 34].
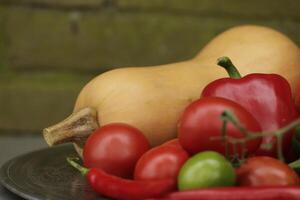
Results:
[119, 188]
[267, 97]
[238, 193]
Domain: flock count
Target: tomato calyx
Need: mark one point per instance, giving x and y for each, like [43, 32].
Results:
[229, 117]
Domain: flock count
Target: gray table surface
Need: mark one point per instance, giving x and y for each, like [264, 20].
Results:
[15, 145]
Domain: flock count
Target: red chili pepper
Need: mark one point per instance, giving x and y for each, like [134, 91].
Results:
[238, 193]
[267, 97]
[119, 188]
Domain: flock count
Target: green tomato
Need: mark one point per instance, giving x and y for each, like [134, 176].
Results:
[206, 169]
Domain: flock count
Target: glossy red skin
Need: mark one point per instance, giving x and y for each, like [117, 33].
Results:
[267, 97]
[161, 162]
[237, 193]
[119, 188]
[266, 171]
[174, 142]
[115, 148]
[200, 122]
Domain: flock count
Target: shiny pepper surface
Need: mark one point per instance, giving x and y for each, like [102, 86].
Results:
[267, 97]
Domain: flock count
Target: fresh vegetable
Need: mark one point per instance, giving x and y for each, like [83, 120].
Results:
[297, 94]
[267, 97]
[256, 50]
[206, 169]
[140, 96]
[161, 162]
[115, 148]
[173, 142]
[266, 171]
[200, 126]
[238, 193]
[119, 188]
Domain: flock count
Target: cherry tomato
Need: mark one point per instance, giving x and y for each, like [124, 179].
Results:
[266, 171]
[206, 169]
[161, 162]
[200, 125]
[115, 148]
[174, 142]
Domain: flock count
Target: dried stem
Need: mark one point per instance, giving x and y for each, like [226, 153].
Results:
[75, 128]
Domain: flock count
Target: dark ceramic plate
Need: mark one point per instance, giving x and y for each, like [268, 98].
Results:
[45, 174]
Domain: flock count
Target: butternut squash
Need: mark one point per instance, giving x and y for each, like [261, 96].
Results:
[152, 98]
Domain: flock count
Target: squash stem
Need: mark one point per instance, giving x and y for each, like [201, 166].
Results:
[76, 127]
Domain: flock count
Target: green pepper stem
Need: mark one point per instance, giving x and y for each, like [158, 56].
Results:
[74, 164]
[226, 63]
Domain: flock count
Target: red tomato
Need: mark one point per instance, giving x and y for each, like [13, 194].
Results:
[266, 171]
[201, 122]
[174, 142]
[161, 162]
[115, 148]
[297, 95]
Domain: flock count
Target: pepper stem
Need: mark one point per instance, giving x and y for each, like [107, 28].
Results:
[77, 166]
[226, 63]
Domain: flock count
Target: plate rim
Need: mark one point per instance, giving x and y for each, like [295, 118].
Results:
[9, 184]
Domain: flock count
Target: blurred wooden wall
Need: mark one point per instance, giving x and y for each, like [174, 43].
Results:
[50, 48]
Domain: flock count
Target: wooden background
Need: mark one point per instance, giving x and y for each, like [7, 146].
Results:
[50, 48]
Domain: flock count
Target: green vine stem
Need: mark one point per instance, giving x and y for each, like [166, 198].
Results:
[223, 132]
[295, 165]
[228, 116]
